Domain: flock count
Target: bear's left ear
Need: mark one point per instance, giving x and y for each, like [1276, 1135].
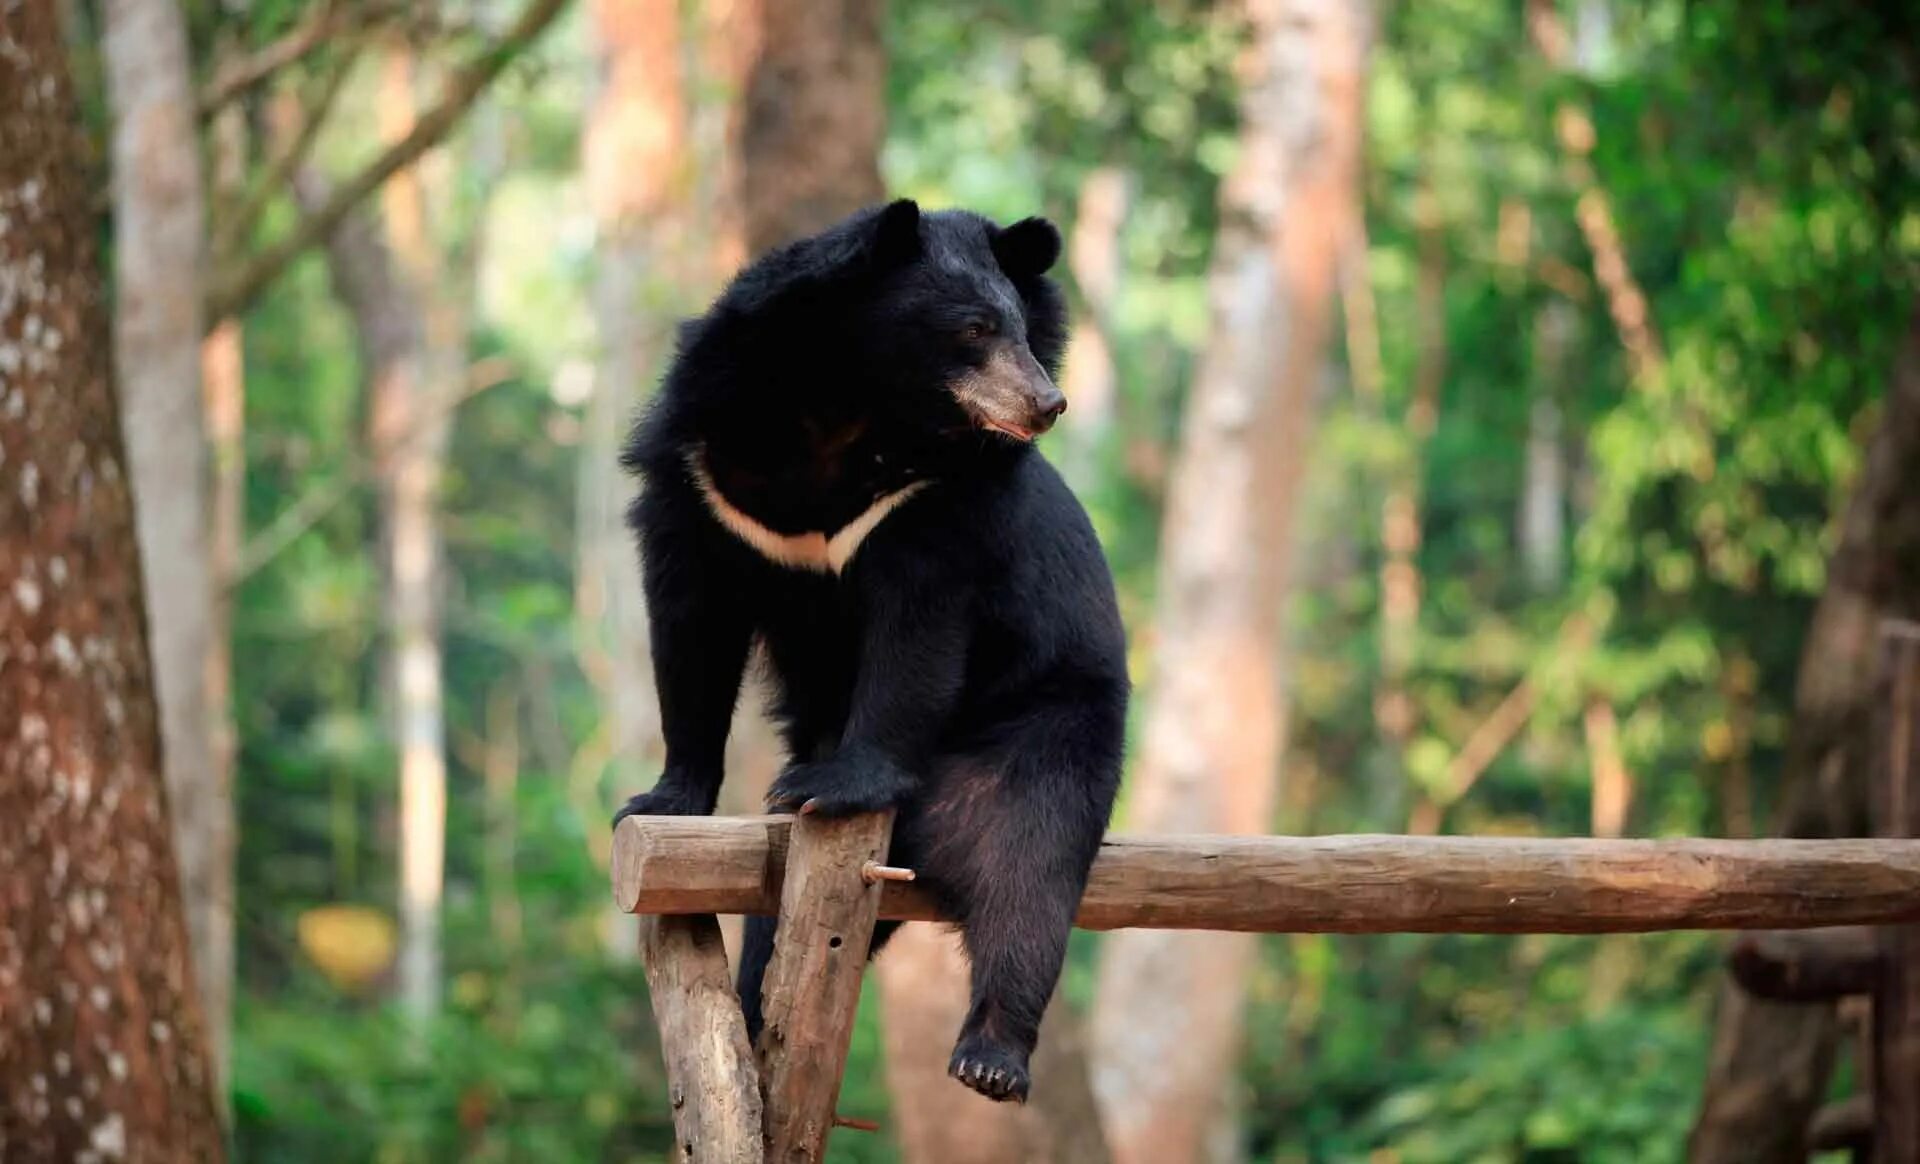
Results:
[1028, 247]
[896, 233]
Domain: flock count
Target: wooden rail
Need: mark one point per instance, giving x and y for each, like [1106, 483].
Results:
[1348, 884]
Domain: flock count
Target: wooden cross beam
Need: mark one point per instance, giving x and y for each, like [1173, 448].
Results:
[1347, 884]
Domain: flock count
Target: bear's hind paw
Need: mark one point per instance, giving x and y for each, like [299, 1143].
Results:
[991, 1070]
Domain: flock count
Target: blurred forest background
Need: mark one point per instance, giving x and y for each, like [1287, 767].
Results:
[1481, 403]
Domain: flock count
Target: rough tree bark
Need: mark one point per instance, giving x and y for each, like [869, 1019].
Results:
[159, 266]
[1167, 1015]
[1770, 1061]
[102, 1053]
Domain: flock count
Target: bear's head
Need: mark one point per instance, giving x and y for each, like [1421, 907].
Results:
[938, 325]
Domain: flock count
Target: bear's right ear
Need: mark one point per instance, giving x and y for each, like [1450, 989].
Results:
[896, 233]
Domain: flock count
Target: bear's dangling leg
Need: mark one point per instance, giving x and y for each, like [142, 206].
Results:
[1017, 943]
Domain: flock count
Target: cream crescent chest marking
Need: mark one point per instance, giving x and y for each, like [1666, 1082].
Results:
[816, 551]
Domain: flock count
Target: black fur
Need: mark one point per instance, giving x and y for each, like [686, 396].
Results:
[967, 665]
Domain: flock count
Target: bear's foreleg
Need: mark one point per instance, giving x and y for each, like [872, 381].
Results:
[700, 631]
[913, 640]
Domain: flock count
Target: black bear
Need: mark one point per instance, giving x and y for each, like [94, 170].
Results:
[839, 464]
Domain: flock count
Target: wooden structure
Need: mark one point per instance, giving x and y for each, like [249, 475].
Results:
[1831, 918]
[1882, 967]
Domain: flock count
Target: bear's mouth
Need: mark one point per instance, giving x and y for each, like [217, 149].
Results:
[1023, 435]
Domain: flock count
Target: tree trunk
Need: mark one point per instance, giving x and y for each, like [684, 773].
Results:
[409, 432]
[1543, 493]
[1166, 1023]
[159, 239]
[635, 149]
[405, 431]
[813, 117]
[102, 1054]
[1092, 382]
[223, 393]
[1770, 1061]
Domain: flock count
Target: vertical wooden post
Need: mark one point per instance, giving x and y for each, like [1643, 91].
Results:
[710, 1073]
[1896, 808]
[812, 987]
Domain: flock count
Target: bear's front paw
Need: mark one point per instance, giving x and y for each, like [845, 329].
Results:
[839, 787]
[667, 798]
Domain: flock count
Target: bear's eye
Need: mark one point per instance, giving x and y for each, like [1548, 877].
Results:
[978, 330]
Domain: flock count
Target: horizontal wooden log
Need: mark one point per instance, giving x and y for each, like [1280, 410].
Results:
[1807, 966]
[1348, 884]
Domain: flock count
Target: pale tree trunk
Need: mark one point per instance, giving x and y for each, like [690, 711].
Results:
[1166, 1024]
[729, 37]
[159, 267]
[102, 1052]
[636, 165]
[389, 323]
[410, 426]
[1543, 492]
[1091, 381]
[1770, 1061]
[223, 394]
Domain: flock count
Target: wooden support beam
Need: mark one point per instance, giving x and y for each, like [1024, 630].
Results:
[1347, 884]
[1807, 965]
[711, 1081]
[1845, 1125]
[1896, 813]
[827, 910]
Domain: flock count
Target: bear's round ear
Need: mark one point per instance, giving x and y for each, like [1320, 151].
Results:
[1028, 247]
[896, 233]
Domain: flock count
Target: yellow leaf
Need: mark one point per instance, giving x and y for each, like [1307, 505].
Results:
[351, 944]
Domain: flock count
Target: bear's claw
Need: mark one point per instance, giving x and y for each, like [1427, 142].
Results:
[990, 1070]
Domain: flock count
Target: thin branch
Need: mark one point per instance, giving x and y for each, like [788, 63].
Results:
[1626, 302]
[231, 232]
[1493, 734]
[242, 73]
[233, 292]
